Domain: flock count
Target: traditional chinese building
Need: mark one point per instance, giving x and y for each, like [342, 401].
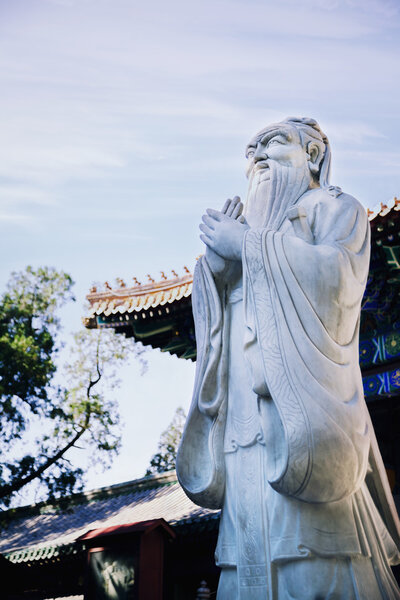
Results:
[158, 314]
[140, 540]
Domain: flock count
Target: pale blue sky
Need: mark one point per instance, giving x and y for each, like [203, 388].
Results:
[122, 120]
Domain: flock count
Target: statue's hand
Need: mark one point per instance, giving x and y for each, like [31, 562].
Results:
[216, 263]
[223, 232]
[219, 265]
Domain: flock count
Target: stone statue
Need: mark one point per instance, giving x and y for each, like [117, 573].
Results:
[278, 434]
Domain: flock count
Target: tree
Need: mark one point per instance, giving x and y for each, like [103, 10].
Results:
[165, 458]
[40, 414]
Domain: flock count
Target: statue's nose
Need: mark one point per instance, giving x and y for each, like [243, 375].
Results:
[260, 153]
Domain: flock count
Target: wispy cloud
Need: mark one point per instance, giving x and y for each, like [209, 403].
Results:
[353, 132]
[16, 218]
[11, 194]
[369, 162]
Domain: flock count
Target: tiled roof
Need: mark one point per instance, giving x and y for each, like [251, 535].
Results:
[382, 209]
[140, 297]
[44, 531]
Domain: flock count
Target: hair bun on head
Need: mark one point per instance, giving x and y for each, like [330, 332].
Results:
[310, 128]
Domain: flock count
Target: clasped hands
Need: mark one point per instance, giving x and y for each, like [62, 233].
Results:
[223, 232]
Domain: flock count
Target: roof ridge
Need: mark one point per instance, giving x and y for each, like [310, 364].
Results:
[153, 287]
[150, 481]
[382, 209]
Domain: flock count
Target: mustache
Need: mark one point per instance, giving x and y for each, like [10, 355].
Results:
[256, 165]
[261, 165]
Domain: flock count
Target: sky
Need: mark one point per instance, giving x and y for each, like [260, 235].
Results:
[123, 120]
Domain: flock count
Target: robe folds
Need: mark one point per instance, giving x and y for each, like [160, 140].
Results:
[302, 290]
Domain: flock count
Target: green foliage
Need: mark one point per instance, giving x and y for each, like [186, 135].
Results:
[28, 322]
[165, 458]
[41, 422]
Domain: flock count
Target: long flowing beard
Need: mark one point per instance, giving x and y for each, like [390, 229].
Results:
[272, 192]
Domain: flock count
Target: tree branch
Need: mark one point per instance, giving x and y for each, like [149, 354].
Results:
[93, 382]
[10, 488]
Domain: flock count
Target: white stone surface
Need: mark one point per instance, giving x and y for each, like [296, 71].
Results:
[278, 434]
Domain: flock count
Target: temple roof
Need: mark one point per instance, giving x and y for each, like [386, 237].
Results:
[382, 209]
[139, 297]
[46, 531]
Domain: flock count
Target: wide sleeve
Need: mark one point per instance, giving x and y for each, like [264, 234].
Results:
[302, 303]
[200, 465]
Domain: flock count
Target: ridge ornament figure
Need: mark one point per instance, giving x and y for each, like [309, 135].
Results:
[278, 434]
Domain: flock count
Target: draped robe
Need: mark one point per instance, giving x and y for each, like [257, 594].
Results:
[284, 343]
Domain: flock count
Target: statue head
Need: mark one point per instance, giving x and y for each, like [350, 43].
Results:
[292, 142]
[284, 161]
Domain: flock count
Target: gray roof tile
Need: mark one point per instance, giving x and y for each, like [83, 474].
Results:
[38, 528]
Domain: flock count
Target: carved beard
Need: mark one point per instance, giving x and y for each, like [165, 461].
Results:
[272, 192]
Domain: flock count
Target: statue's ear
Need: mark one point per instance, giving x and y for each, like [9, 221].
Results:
[315, 151]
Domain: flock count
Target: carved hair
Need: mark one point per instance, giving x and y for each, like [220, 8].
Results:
[310, 131]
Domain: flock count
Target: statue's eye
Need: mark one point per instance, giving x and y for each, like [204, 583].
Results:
[250, 153]
[273, 142]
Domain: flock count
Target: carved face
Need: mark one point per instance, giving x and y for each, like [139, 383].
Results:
[279, 144]
[278, 172]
